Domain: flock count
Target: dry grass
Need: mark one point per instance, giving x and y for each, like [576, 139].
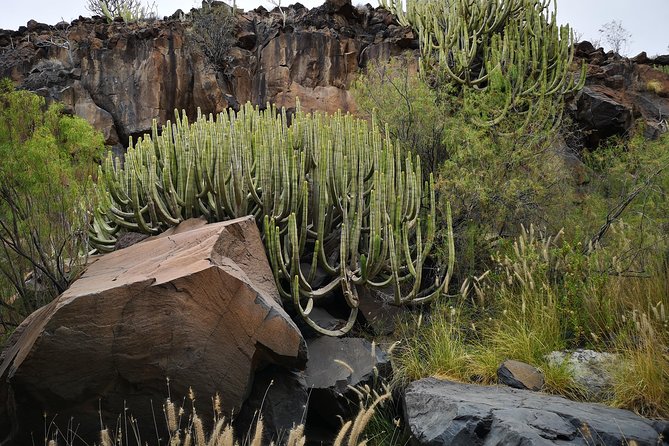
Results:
[544, 297]
[189, 431]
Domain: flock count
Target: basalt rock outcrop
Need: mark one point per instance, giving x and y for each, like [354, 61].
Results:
[618, 92]
[121, 76]
[446, 413]
[198, 307]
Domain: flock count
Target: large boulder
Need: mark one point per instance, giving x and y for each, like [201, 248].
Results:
[198, 307]
[448, 413]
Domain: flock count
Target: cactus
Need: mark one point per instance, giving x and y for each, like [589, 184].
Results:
[514, 46]
[329, 193]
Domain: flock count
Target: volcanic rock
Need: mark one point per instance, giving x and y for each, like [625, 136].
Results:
[198, 307]
[441, 413]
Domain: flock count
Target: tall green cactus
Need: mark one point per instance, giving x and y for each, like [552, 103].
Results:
[514, 46]
[329, 193]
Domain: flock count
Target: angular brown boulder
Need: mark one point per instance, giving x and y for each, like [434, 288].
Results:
[198, 307]
[520, 375]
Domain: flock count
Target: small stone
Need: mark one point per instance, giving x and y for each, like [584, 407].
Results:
[520, 375]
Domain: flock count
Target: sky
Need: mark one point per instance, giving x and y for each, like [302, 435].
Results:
[646, 20]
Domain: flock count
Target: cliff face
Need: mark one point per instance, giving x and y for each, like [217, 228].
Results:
[121, 76]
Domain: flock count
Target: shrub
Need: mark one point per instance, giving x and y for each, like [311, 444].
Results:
[654, 86]
[214, 28]
[47, 158]
[128, 10]
[409, 108]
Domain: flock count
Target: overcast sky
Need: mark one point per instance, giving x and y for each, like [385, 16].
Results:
[646, 20]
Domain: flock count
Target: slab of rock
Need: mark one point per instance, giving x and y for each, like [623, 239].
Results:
[589, 369]
[197, 307]
[520, 375]
[441, 413]
[334, 365]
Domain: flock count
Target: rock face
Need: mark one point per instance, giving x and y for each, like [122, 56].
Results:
[618, 92]
[599, 112]
[448, 413]
[198, 307]
[121, 76]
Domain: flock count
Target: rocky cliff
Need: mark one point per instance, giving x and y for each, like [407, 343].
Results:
[121, 76]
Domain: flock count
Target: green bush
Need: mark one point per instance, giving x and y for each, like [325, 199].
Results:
[214, 29]
[47, 157]
[409, 109]
[494, 177]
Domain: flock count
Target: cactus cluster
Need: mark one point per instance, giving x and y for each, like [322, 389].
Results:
[331, 196]
[514, 46]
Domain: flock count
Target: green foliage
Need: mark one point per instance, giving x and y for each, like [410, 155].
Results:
[128, 10]
[494, 179]
[330, 194]
[663, 68]
[47, 158]
[408, 107]
[513, 49]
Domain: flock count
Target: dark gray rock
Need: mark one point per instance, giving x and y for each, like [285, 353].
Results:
[334, 366]
[378, 313]
[449, 413]
[602, 115]
[584, 49]
[280, 397]
[520, 375]
[661, 60]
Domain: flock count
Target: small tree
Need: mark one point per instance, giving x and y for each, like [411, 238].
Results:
[47, 158]
[214, 28]
[615, 35]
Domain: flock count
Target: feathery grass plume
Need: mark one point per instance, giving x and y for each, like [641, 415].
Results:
[363, 418]
[105, 439]
[345, 365]
[216, 433]
[217, 405]
[257, 437]
[296, 436]
[200, 438]
[342, 433]
[227, 438]
[171, 415]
